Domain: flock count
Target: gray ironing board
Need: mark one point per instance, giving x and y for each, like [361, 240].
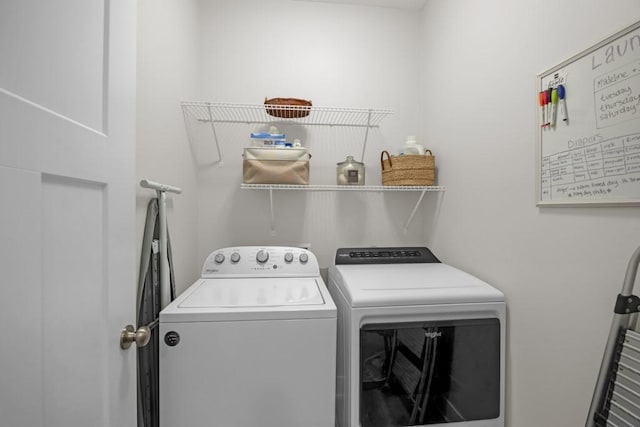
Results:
[149, 306]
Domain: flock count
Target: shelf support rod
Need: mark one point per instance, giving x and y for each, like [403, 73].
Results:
[187, 125]
[273, 217]
[215, 136]
[366, 135]
[415, 209]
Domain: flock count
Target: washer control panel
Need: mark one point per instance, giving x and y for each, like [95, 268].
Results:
[267, 261]
[374, 255]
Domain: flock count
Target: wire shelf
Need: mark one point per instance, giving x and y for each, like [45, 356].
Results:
[214, 112]
[359, 188]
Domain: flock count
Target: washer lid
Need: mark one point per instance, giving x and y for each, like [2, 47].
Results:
[409, 284]
[245, 292]
[245, 298]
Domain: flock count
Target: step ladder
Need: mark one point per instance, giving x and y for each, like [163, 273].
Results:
[616, 398]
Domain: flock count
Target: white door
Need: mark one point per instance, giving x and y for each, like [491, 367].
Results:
[67, 194]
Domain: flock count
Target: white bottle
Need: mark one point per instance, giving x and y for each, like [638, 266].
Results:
[411, 147]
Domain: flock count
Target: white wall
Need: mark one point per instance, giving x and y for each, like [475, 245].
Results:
[168, 73]
[560, 268]
[334, 55]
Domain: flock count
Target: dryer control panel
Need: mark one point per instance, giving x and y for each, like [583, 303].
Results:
[388, 255]
[261, 261]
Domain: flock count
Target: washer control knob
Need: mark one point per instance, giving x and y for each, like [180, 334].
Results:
[304, 258]
[262, 256]
[219, 259]
[235, 257]
[288, 257]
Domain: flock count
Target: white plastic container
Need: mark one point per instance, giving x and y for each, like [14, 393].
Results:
[411, 146]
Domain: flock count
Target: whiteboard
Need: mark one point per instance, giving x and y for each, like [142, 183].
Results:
[588, 154]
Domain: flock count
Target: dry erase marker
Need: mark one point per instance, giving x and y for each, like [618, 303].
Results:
[549, 107]
[554, 106]
[542, 106]
[545, 95]
[563, 103]
[546, 108]
[545, 99]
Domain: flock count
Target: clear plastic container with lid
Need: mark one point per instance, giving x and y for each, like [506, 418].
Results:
[350, 172]
[411, 146]
[268, 139]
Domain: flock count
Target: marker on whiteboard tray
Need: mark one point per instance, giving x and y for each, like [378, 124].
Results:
[549, 107]
[563, 104]
[554, 106]
[545, 97]
[542, 107]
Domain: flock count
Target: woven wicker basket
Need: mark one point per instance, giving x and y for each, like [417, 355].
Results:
[408, 169]
[287, 108]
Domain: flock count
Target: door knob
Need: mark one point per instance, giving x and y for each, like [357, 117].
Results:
[129, 335]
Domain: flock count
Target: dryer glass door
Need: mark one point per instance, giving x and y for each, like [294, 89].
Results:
[429, 373]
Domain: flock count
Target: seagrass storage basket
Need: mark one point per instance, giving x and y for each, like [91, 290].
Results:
[408, 169]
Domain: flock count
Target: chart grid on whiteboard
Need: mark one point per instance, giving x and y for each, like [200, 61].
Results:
[593, 158]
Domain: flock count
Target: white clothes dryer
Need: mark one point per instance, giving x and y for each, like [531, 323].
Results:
[420, 343]
[252, 343]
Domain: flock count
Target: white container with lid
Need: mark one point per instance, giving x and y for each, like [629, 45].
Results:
[411, 147]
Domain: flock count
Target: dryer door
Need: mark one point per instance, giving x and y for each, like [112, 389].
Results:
[434, 372]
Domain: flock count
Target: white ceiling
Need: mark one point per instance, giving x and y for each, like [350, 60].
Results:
[399, 4]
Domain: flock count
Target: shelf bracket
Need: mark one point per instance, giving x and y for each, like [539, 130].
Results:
[215, 136]
[272, 212]
[413, 212]
[366, 135]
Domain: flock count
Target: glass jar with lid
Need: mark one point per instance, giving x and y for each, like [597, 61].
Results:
[350, 172]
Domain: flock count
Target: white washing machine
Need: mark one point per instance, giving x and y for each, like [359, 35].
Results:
[420, 343]
[252, 343]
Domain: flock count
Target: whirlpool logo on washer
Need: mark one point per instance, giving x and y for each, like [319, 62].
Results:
[433, 335]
